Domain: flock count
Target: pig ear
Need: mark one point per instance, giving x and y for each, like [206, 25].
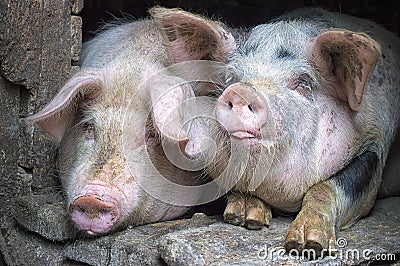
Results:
[54, 117]
[349, 59]
[179, 115]
[167, 95]
[192, 37]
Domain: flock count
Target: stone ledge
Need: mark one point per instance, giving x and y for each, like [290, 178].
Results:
[200, 240]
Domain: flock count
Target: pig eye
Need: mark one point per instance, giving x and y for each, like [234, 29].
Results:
[151, 137]
[304, 86]
[89, 130]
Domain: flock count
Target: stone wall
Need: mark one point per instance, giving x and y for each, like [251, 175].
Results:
[39, 45]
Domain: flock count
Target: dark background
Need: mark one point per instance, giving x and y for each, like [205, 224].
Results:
[239, 13]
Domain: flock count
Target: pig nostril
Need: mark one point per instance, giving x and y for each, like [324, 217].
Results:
[230, 105]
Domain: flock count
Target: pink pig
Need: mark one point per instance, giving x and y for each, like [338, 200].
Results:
[306, 120]
[102, 119]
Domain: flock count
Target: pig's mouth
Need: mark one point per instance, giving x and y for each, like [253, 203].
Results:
[254, 139]
[243, 135]
[246, 134]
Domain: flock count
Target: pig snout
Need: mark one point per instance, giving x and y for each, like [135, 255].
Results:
[97, 210]
[242, 111]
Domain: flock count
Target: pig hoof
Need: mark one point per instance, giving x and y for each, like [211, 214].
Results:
[309, 234]
[235, 212]
[255, 218]
[249, 212]
[258, 213]
[313, 245]
[294, 240]
[313, 248]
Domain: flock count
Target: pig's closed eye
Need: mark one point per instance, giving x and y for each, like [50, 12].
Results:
[89, 130]
[303, 85]
[151, 135]
[152, 138]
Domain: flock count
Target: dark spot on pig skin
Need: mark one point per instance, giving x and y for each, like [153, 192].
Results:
[223, 35]
[355, 178]
[282, 53]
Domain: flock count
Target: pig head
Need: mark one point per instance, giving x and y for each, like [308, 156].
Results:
[102, 119]
[309, 112]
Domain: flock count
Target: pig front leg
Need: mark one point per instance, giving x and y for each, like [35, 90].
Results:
[247, 211]
[334, 203]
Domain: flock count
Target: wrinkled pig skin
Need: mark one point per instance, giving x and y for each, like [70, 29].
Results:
[87, 117]
[308, 116]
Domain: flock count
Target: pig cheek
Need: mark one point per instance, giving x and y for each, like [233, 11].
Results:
[130, 196]
[295, 119]
[173, 212]
[276, 128]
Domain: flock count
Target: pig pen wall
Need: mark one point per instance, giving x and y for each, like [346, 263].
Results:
[40, 42]
[39, 46]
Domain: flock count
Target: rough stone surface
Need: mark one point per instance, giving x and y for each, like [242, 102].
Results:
[76, 37]
[35, 53]
[46, 215]
[223, 244]
[29, 249]
[39, 42]
[76, 6]
[11, 185]
[200, 240]
[133, 246]
[92, 252]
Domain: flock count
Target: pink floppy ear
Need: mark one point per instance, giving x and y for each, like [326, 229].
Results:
[192, 37]
[54, 117]
[178, 115]
[349, 59]
[167, 95]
